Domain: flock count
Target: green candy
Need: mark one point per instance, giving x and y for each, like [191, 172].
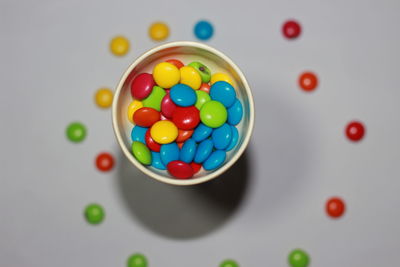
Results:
[229, 263]
[202, 97]
[202, 69]
[141, 152]
[94, 213]
[155, 98]
[137, 260]
[298, 258]
[76, 132]
[213, 114]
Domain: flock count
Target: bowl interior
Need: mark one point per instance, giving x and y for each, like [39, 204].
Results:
[186, 52]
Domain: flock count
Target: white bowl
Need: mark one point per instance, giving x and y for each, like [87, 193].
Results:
[186, 52]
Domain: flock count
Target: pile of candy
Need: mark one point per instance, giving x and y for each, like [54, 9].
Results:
[184, 118]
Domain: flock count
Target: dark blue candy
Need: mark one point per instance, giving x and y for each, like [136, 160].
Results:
[235, 113]
[169, 152]
[138, 134]
[156, 161]
[204, 150]
[235, 138]
[222, 136]
[215, 160]
[183, 95]
[223, 92]
[201, 132]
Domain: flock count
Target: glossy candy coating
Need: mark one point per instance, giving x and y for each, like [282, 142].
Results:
[76, 132]
[119, 46]
[138, 134]
[203, 151]
[137, 260]
[205, 87]
[291, 29]
[235, 113]
[222, 136]
[183, 135]
[308, 81]
[203, 30]
[188, 151]
[158, 31]
[166, 74]
[215, 160]
[202, 97]
[216, 77]
[335, 207]
[150, 143]
[203, 70]
[156, 161]
[298, 258]
[94, 213]
[169, 152]
[176, 62]
[167, 106]
[155, 98]
[201, 132]
[355, 131]
[229, 263]
[104, 162]
[164, 132]
[104, 97]
[196, 167]
[235, 138]
[223, 92]
[146, 117]
[180, 169]
[186, 118]
[132, 108]
[190, 77]
[142, 86]
[182, 95]
[213, 114]
[141, 152]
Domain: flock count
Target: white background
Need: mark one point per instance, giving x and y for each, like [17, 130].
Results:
[54, 56]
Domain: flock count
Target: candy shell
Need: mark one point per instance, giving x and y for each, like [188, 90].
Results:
[223, 92]
[76, 132]
[176, 62]
[235, 138]
[138, 134]
[186, 118]
[196, 167]
[213, 114]
[132, 108]
[222, 136]
[104, 97]
[166, 74]
[215, 160]
[167, 106]
[216, 77]
[145, 117]
[138, 260]
[156, 161]
[202, 97]
[104, 162]
[151, 144]
[158, 31]
[183, 135]
[182, 95]
[180, 169]
[190, 77]
[169, 152]
[205, 87]
[204, 150]
[142, 86]
[164, 132]
[119, 45]
[94, 213]
[203, 70]
[203, 30]
[235, 112]
[201, 132]
[188, 151]
[155, 98]
[141, 152]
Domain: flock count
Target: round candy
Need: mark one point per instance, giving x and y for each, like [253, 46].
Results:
[94, 213]
[188, 151]
[202, 69]
[235, 113]
[235, 138]
[205, 87]
[201, 132]
[176, 62]
[229, 263]
[182, 95]
[164, 132]
[355, 131]
[180, 169]
[213, 114]
[335, 207]
[202, 97]
[167, 106]
[104, 162]
[183, 135]
[155, 98]
[308, 81]
[298, 258]
[145, 117]
[196, 167]
[169, 152]
[216, 77]
[142, 86]
[291, 29]
[137, 260]
[76, 132]
[119, 45]
[222, 136]
[141, 152]
[156, 161]
[158, 31]
[104, 97]
[132, 108]
[223, 92]
[215, 160]
[138, 134]
[186, 118]
[151, 144]
[203, 30]
[190, 77]
[166, 74]
[204, 150]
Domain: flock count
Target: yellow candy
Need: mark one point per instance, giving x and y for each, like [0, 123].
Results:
[221, 77]
[158, 31]
[190, 77]
[119, 45]
[135, 105]
[166, 74]
[164, 132]
[104, 97]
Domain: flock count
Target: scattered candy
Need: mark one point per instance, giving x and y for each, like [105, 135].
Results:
[94, 213]
[104, 162]
[203, 30]
[182, 95]
[76, 132]
[298, 258]
[213, 114]
[355, 131]
[180, 169]
[308, 81]
[119, 46]
[191, 77]
[221, 77]
[137, 260]
[146, 117]
[176, 62]
[104, 97]
[141, 152]
[291, 29]
[166, 74]
[132, 108]
[142, 86]
[158, 31]
[229, 263]
[155, 98]
[335, 207]
[223, 92]
[164, 132]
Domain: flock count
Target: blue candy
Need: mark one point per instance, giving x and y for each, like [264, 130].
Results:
[201, 132]
[222, 136]
[156, 161]
[188, 151]
[203, 30]
[138, 134]
[215, 160]
[183, 95]
[203, 151]
[169, 152]
[223, 92]
[235, 113]
[235, 138]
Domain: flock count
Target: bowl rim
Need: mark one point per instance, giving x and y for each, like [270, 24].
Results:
[127, 152]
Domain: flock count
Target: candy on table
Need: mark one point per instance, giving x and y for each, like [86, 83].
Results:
[355, 131]
[119, 46]
[298, 258]
[76, 132]
[137, 260]
[335, 207]
[94, 213]
[104, 97]
[104, 162]
[158, 31]
[229, 263]
[308, 81]
[291, 29]
[203, 30]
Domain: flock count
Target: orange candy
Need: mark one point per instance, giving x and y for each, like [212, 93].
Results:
[176, 62]
[308, 81]
[145, 117]
[205, 87]
[183, 135]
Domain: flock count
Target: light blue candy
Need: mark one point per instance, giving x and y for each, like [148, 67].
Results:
[188, 151]
[156, 161]
[222, 136]
[201, 132]
[203, 30]
[183, 95]
[223, 92]
[235, 112]
[204, 150]
[138, 134]
[169, 152]
[215, 160]
[235, 138]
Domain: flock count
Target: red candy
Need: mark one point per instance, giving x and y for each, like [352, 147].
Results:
[142, 86]
[151, 144]
[167, 106]
[355, 131]
[291, 29]
[205, 87]
[335, 207]
[176, 62]
[104, 162]
[180, 169]
[183, 135]
[308, 81]
[196, 167]
[186, 118]
[145, 117]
